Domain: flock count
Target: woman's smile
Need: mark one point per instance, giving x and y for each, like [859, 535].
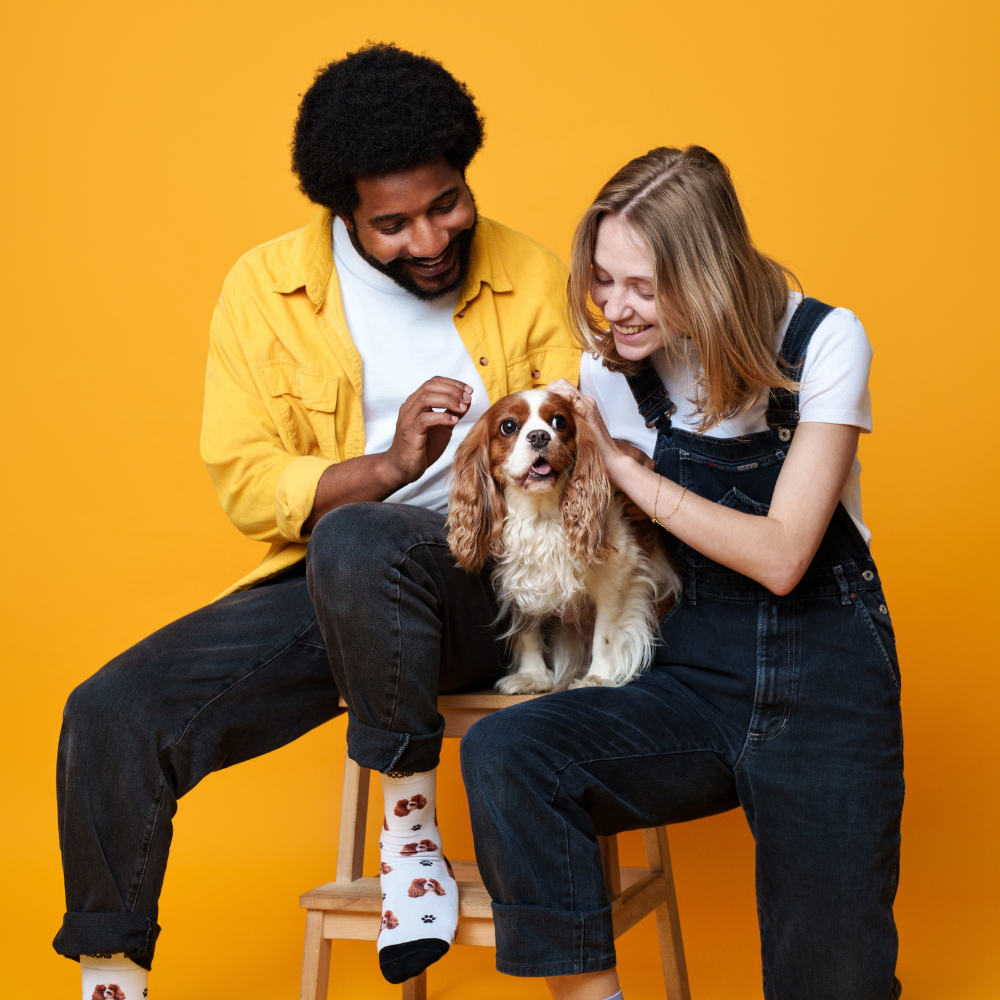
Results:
[630, 331]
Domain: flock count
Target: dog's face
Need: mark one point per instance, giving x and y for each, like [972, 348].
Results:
[109, 992]
[532, 439]
[530, 442]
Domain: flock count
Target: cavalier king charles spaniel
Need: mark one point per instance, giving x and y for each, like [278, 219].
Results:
[578, 588]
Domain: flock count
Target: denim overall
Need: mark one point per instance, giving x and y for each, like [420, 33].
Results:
[785, 706]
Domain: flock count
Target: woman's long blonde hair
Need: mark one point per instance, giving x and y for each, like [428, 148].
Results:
[711, 283]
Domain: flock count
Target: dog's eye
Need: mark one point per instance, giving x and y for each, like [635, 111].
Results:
[559, 422]
[508, 427]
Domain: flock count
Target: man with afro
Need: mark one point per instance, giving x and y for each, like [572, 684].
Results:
[347, 360]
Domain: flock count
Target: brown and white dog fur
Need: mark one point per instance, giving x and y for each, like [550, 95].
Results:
[579, 589]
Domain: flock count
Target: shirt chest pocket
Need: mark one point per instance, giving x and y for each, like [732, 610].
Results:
[304, 404]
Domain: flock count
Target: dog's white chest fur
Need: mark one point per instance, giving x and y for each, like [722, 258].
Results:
[536, 572]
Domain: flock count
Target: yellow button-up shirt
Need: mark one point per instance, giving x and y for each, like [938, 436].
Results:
[283, 387]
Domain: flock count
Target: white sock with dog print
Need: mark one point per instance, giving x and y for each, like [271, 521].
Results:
[419, 893]
[112, 977]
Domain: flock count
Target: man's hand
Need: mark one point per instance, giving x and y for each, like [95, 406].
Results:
[424, 427]
[422, 434]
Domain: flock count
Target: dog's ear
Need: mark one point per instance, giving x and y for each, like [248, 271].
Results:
[586, 501]
[476, 507]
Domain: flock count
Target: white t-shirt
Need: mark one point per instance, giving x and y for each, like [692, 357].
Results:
[834, 381]
[403, 342]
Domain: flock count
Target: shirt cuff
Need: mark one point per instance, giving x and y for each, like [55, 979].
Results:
[296, 493]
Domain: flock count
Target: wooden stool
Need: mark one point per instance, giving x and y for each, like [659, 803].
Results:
[351, 906]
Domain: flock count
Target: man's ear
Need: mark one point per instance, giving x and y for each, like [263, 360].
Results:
[476, 508]
[586, 501]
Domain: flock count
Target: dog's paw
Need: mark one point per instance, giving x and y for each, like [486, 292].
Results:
[523, 684]
[591, 681]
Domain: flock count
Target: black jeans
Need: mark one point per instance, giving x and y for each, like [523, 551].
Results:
[380, 602]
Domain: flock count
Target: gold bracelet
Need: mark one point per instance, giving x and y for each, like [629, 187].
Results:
[674, 511]
[656, 499]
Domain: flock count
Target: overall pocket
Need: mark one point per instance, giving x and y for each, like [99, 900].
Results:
[304, 403]
[874, 613]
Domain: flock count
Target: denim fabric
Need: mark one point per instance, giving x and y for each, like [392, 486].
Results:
[390, 598]
[785, 706]
[247, 675]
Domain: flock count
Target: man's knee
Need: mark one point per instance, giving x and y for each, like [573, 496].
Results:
[91, 703]
[359, 540]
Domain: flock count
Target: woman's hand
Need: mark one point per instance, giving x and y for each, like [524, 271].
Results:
[586, 411]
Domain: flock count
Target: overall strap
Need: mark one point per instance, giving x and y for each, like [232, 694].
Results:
[654, 404]
[782, 405]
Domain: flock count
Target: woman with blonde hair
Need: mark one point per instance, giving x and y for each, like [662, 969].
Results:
[775, 684]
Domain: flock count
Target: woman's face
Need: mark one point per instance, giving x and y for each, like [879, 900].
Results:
[622, 288]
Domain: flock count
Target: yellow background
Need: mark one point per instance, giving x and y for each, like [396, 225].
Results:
[147, 148]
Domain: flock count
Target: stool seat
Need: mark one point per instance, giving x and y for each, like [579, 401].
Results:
[351, 906]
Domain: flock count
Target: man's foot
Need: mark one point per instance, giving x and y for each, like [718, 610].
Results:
[419, 892]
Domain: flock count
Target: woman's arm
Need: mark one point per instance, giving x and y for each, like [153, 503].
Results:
[775, 550]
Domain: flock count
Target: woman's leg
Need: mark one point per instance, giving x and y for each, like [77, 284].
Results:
[821, 781]
[545, 777]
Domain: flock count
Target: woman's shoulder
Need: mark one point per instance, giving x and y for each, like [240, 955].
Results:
[839, 331]
[834, 376]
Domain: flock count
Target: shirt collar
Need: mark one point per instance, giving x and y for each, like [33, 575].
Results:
[310, 263]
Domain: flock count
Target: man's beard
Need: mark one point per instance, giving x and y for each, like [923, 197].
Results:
[394, 269]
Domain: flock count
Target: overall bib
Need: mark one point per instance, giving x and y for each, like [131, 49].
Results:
[785, 706]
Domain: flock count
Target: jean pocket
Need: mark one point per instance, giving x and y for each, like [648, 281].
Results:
[874, 613]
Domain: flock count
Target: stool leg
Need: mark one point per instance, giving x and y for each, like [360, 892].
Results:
[609, 862]
[315, 959]
[353, 812]
[668, 920]
[416, 988]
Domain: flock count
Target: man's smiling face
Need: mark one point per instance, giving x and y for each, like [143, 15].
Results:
[416, 226]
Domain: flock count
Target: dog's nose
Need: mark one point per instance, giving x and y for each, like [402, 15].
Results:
[539, 439]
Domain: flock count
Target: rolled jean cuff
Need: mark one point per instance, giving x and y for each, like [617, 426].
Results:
[537, 941]
[108, 934]
[382, 750]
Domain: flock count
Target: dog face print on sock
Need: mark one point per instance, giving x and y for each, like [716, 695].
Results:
[408, 850]
[421, 886]
[110, 992]
[389, 921]
[405, 806]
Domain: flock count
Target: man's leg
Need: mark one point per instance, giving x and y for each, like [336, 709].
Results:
[229, 682]
[545, 777]
[401, 622]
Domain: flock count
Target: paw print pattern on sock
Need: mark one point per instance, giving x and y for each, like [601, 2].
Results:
[415, 827]
[428, 918]
[426, 864]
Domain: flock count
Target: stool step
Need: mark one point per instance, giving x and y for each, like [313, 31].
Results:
[365, 896]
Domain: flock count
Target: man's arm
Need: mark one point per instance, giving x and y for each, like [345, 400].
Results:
[423, 429]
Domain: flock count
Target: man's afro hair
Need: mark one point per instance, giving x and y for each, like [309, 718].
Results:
[378, 111]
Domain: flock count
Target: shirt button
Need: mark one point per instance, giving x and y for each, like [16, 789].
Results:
[461, 314]
[484, 361]
[535, 373]
[868, 575]
[883, 609]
